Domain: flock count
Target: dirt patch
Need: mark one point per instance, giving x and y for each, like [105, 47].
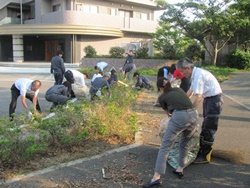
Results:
[149, 120]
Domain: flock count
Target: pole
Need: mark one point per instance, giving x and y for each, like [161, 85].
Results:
[21, 11]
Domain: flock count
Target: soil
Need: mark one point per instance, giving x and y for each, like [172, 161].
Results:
[149, 120]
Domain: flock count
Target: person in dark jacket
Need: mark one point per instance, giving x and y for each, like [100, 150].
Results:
[129, 67]
[113, 78]
[58, 94]
[98, 84]
[142, 81]
[57, 67]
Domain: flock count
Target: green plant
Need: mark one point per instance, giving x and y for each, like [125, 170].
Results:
[238, 59]
[142, 52]
[193, 51]
[116, 52]
[90, 51]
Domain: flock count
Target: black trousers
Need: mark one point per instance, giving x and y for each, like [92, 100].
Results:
[15, 93]
[58, 78]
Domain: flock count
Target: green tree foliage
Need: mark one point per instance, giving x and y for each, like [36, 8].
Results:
[194, 52]
[206, 21]
[241, 10]
[143, 51]
[90, 51]
[116, 52]
[238, 59]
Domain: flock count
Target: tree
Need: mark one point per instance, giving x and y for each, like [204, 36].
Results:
[241, 9]
[211, 25]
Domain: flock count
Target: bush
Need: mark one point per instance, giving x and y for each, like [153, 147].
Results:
[193, 51]
[142, 52]
[238, 59]
[168, 51]
[90, 51]
[116, 52]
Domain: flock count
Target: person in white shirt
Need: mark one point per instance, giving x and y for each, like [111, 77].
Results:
[99, 74]
[77, 80]
[204, 86]
[101, 66]
[27, 89]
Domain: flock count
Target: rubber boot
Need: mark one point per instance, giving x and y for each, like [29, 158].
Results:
[204, 155]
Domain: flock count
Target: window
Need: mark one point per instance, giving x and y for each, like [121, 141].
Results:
[79, 7]
[124, 13]
[143, 16]
[56, 8]
[90, 9]
[112, 11]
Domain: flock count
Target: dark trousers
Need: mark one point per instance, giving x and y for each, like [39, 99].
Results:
[185, 84]
[15, 93]
[58, 78]
[212, 107]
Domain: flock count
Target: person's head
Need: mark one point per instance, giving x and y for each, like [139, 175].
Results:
[85, 75]
[130, 52]
[163, 85]
[113, 72]
[136, 75]
[172, 68]
[35, 85]
[96, 67]
[66, 84]
[185, 66]
[59, 53]
[106, 76]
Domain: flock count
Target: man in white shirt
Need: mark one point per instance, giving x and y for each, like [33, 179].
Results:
[78, 86]
[204, 86]
[27, 89]
[101, 66]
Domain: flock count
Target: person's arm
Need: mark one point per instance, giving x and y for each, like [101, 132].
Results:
[34, 101]
[24, 102]
[165, 73]
[197, 100]
[190, 93]
[62, 66]
[139, 82]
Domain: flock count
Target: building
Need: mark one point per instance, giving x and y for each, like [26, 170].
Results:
[33, 30]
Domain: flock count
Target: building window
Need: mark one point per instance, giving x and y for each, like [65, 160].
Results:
[143, 16]
[79, 7]
[124, 13]
[90, 9]
[56, 8]
[112, 11]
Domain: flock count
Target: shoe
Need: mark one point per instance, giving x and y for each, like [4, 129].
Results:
[157, 104]
[179, 174]
[152, 183]
[201, 160]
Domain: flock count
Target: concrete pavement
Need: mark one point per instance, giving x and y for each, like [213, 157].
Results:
[130, 166]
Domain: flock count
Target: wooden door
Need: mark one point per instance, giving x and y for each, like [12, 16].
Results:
[51, 46]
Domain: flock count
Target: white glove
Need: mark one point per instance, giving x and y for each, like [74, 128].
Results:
[133, 87]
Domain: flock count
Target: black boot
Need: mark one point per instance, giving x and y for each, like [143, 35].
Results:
[204, 155]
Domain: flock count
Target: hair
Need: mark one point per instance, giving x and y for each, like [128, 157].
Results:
[95, 67]
[172, 68]
[135, 74]
[113, 72]
[163, 83]
[59, 52]
[36, 82]
[85, 74]
[185, 62]
[66, 84]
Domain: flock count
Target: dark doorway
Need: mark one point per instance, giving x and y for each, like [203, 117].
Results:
[33, 47]
[6, 52]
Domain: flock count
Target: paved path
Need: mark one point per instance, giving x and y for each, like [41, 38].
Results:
[132, 165]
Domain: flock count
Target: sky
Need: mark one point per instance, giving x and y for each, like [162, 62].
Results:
[159, 13]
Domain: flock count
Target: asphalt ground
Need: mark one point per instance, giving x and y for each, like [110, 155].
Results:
[133, 165]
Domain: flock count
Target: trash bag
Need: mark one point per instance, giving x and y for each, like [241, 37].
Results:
[193, 145]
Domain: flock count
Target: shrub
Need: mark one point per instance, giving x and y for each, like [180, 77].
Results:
[142, 52]
[238, 59]
[116, 52]
[168, 51]
[193, 51]
[90, 51]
